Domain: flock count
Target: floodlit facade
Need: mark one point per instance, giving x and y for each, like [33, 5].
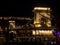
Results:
[42, 17]
[42, 21]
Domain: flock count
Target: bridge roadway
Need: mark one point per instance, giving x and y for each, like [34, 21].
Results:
[17, 18]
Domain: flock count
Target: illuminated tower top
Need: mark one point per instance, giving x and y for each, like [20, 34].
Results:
[42, 17]
[41, 8]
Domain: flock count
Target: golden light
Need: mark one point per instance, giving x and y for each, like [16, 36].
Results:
[41, 12]
[45, 14]
[11, 21]
[48, 23]
[42, 32]
[12, 32]
[0, 17]
[37, 32]
[33, 32]
[36, 22]
[12, 25]
[41, 8]
[37, 25]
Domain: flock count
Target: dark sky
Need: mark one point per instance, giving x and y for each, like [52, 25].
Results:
[24, 7]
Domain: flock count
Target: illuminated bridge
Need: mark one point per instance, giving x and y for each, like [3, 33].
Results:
[24, 29]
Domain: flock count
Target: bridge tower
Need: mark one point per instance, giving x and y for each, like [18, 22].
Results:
[42, 17]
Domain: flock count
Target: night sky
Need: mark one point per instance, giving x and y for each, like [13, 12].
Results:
[23, 8]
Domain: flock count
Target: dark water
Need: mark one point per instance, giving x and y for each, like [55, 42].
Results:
[27, 43]
[21, 43]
